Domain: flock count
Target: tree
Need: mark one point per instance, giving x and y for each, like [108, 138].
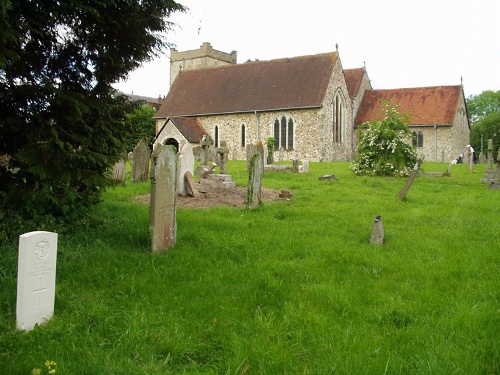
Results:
[62, 124]
[142, 123]
[384, 148]
[484, 113]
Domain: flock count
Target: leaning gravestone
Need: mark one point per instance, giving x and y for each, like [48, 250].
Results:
[186, 164]
[163, 225]
[254, 188]
[413, 174]
[140, 162]
[36, 279]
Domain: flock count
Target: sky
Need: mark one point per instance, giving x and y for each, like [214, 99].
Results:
[401, 43]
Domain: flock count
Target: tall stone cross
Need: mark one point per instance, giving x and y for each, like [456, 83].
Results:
[222, 151]
[205, 144]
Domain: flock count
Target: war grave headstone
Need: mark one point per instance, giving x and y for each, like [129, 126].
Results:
[140, 162]
[186, 164]
[163, 224]
[489, 174]
[254, 188]
[36, 279]
[377, 236]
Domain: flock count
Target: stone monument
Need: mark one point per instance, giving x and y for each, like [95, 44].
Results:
[254, 188]
[140, 162]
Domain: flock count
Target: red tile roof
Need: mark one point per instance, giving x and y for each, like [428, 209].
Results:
[353, 79]
[190, 128]
[426, 105]
[298, 82]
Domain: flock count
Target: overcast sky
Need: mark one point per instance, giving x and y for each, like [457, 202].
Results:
[403, 43]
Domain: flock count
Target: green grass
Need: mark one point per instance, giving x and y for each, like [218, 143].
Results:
[293, 287]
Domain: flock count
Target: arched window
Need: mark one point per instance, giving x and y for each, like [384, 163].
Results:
[414, 139]
[216, 136]
[339, 118]
[283, 131]
[243, 139]
[420, 139]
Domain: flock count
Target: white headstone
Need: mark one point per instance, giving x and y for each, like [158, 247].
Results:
[305, 166]
[36, 279]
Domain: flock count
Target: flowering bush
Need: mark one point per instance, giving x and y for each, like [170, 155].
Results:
[384, 148]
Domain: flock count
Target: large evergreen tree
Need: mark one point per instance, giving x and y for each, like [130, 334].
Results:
[62, 125]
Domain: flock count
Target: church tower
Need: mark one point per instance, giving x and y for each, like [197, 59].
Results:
[203, 57]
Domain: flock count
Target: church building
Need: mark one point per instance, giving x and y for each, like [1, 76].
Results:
[309, 104]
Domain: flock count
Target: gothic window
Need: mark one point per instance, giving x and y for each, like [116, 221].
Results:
[339, 118]
[414, 139]
[216, 136]
[283, 131]
[243, 139]
[420, 139]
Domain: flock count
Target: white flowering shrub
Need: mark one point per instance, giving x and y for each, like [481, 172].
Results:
[384, 147]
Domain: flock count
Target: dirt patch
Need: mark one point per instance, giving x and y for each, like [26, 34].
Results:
[236, 197]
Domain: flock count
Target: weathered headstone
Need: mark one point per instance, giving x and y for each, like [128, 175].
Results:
[222, 151]
[191, 188]
[140, 162]
[413, 174]
[254, 188]
[295, 166]
[377, 237]
[205, 144]
[305, 166]
[186, 164]
[490, 172]
[36, 279]
[163, 224]
[250, 149]
[119, 171]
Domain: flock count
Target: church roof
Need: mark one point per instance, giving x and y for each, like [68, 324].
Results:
[426, 105]
[190, 128]
[353, 79]
[299, 82]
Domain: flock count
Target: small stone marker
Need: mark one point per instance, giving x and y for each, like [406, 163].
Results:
[254, 188]
[186, 164]
[413, 174]
[377, 237]
[36, 279]
[163, 225]
[140, 162]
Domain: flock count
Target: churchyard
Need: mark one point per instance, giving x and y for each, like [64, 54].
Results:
[293, 286]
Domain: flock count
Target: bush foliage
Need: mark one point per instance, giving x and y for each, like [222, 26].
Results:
[383, 148]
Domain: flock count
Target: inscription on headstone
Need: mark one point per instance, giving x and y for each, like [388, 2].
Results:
[36, 279]
[163, 224]
[140, 162]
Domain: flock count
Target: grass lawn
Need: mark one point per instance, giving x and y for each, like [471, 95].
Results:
[293, 287]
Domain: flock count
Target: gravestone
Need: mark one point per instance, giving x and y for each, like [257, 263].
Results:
[186, 164]
[254, 188]
[205, 144]
[295, 166]
[490, 172]
[36, 279]
[305, 166]
[140, 162]
[496, 176]
[377, 237]
[163, 225]
[250, 149]
[413, 174]
[119, 171]
[222, 151]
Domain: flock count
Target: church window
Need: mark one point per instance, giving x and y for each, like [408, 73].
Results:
[414, 139]
[243, 139]
[339, 118]
[216, 136]
[420, 139]
[283, 132]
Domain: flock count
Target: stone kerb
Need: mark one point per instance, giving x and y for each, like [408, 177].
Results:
[186, 164]
[163, 224]
[36, 279]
